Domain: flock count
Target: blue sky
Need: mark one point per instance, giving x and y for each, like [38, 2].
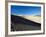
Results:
[25, 10]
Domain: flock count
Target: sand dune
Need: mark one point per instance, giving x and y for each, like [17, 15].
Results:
[19, 23]
[33, 18]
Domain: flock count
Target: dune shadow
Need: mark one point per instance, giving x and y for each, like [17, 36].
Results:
[19, 23]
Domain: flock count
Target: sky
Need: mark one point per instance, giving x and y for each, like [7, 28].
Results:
[25, 10]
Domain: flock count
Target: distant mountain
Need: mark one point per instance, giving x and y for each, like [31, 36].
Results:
[37, 15]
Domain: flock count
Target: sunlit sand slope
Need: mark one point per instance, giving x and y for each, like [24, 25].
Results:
[33, 18]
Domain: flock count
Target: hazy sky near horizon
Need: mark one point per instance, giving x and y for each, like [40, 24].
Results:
[25, 10]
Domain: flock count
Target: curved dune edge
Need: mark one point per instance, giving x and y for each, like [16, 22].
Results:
[33, 18]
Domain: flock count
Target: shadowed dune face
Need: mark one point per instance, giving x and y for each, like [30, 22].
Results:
[18, 23]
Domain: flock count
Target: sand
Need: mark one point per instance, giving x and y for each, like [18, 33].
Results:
[33, 18]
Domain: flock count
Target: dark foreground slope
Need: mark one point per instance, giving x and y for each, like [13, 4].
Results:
[19, 23]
